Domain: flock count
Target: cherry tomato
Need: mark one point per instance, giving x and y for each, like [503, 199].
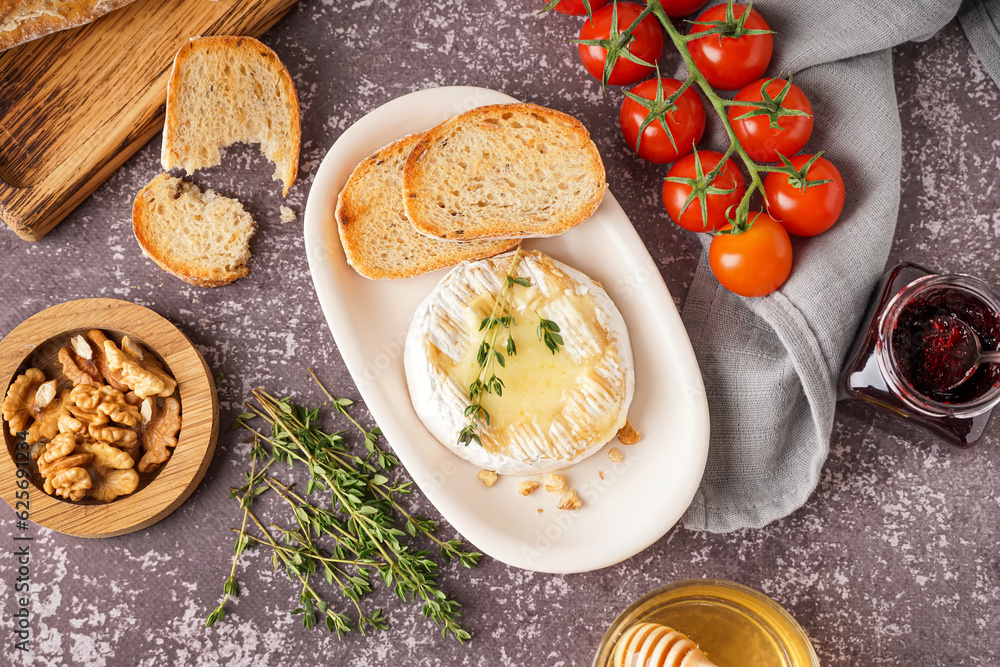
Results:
[681, 8]
[761, 141]
[809, 211]
[577, 8]
[647, 43]
[730, 63]
[686, 122]
[754, 263]
[675, 194]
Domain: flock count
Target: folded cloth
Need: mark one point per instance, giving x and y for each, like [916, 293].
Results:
[771, 364]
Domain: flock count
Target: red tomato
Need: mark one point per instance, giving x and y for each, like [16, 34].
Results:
[806, 211]
[577, 8]
[681, 8]
[730, 63]
[754, 263]
[761, 141]
[647, 43]
[686, 122]
[716, 205]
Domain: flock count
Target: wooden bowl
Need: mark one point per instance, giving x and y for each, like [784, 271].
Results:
[36, 342]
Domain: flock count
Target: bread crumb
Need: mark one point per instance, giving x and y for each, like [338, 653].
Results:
[627, 435]
[569, 501]
[488, 477]
[555, 483]
[615, 455]
[524, 488]
[540, 510]
[287, 214]
[601, 473]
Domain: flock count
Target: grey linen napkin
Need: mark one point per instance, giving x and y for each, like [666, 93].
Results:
[771, 364]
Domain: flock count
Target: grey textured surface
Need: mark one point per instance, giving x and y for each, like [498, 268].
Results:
[893, 561]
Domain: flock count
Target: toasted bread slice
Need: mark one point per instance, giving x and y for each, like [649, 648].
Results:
[228, 89]
[378, 239]
[200, 237]
[501, 171]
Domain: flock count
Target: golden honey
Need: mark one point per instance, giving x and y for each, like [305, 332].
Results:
[734, 625]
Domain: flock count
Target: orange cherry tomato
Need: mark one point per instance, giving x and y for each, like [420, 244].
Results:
[754, 263]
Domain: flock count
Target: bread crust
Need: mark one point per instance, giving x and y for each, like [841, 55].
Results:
[360, 227]
[239, 47]
[142, 222]
[415, 177]
[14, 29]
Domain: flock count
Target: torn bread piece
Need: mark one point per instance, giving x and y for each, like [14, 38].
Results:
[223, 90]
[200, 237]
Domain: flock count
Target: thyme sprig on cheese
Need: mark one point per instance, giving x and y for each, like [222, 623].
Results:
[489, 355]
[548, 333]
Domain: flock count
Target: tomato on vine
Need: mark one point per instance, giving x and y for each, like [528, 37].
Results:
[781, 121]
[810, 202]
[680, 8]
[735, 47]
[697, 192]
[662, 119]
[754, 262]
[610, 53]
[575, 7]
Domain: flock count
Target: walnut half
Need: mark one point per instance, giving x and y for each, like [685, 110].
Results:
[78, 363]
[158, 432]
[138, 369]
[111, 471]
[34, 404]
[72, 484]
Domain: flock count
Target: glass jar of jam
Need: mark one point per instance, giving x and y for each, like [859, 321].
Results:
[914, 356]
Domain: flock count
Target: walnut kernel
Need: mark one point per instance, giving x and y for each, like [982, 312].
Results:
[159, 432]
[524, 488]
[555, 483]
[569, 501]
[627, 435]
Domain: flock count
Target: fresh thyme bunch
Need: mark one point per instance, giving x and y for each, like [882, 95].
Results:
[357, 536]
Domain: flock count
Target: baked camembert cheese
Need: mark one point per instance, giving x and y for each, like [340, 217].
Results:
[556, 408]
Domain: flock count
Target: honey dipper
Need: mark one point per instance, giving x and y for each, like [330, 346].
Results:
[655, 645]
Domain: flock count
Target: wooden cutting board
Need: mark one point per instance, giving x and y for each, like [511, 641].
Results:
[76, 104]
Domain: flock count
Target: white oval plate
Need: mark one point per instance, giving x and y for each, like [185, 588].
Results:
[638, 500]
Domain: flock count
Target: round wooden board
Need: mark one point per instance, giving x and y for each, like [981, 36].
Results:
[37, 340]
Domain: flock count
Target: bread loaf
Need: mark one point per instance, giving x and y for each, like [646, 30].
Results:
[24, 20]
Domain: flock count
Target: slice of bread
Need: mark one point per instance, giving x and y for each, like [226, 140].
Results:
[501, 171]
[228, 89]
[378, 239]
[200, 237]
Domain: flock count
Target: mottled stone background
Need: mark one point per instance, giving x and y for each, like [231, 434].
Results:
[893, 561]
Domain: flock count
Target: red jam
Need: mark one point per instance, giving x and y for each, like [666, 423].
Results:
[935, 346]
[914, 355]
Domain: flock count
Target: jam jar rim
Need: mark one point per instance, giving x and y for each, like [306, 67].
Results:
[883, 346]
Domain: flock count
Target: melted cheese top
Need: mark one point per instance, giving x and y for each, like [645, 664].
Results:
[555, 409]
